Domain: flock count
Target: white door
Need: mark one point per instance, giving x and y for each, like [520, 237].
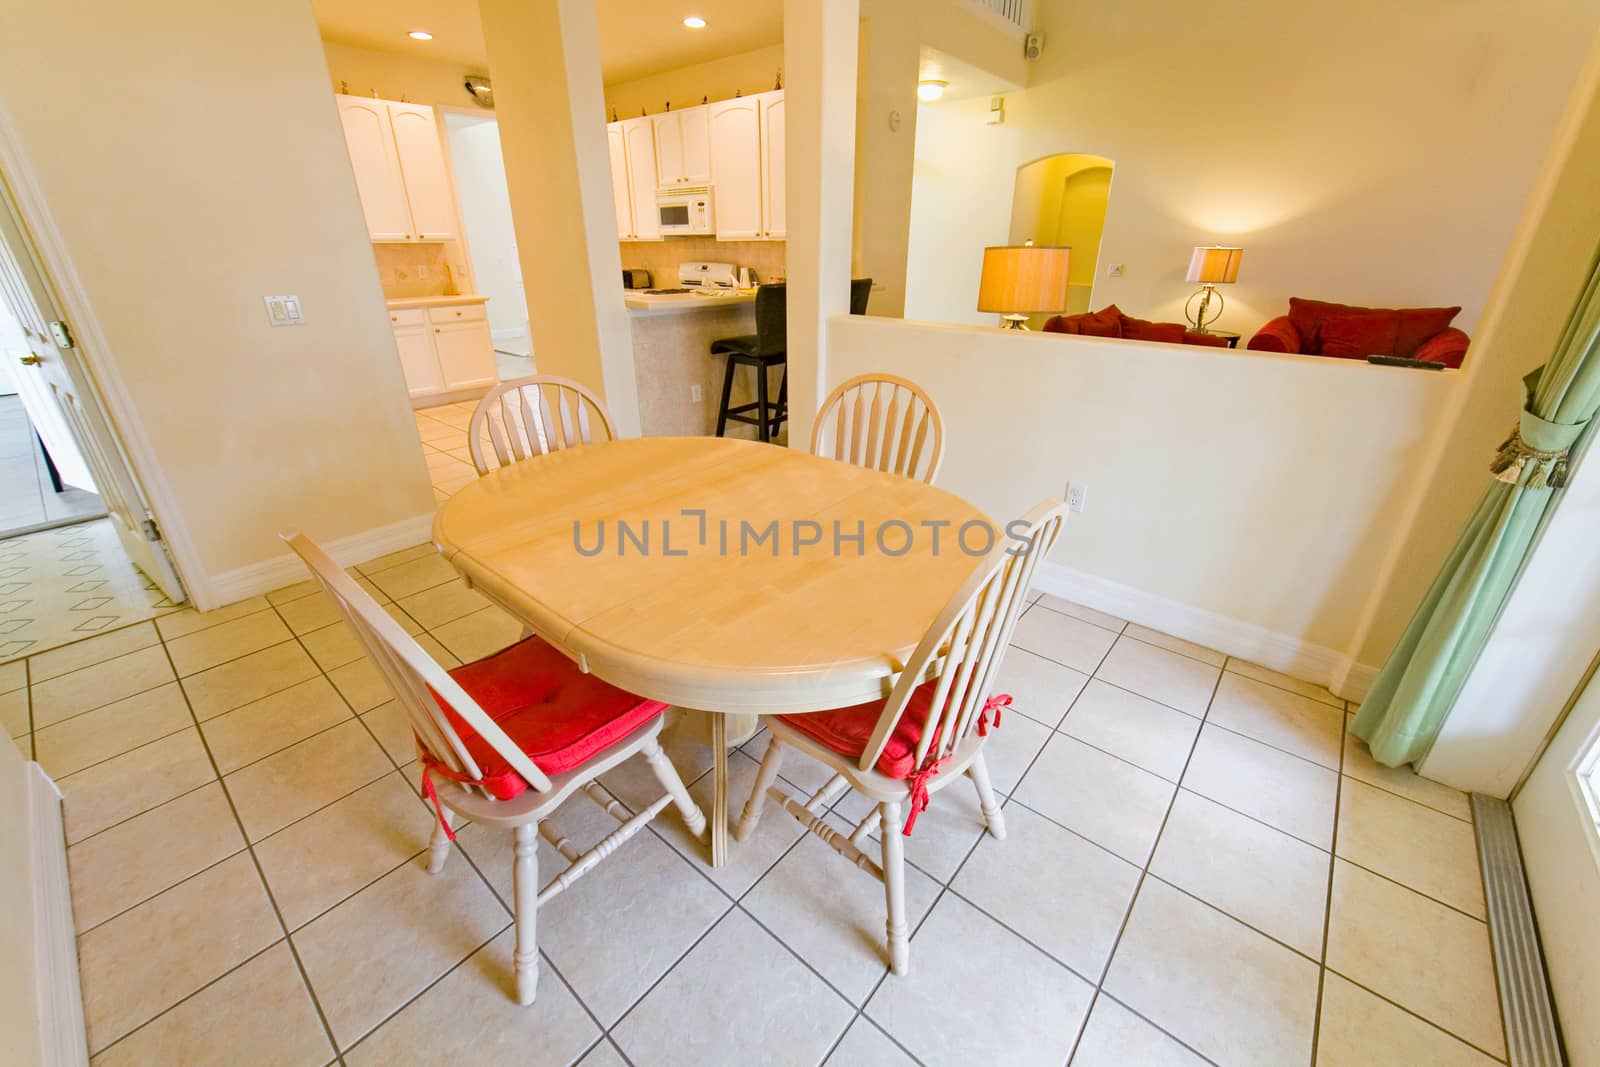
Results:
[422, 166]
[774, 216]
[369, 136]
[1558, 824]
[62, 376]
[619, 180]
[640, 137]
[669, 147]
[466, 354]
[696, 144]
[736, 167]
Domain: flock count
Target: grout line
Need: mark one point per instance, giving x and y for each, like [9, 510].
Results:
[165, 889]
[1131, 1010]
[1421, 1018]
[1402, 796]
[1343, 704]
[1426, 896]
[1327, 910]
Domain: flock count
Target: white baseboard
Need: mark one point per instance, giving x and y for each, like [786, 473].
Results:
[1235, 637]
[62, 1038]
[287, 569]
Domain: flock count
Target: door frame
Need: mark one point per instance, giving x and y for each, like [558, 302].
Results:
[105, 374]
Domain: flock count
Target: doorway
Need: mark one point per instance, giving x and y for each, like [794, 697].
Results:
[1062, 200]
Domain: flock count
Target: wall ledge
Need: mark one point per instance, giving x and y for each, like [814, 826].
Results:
[62, 1038]
[258, 578]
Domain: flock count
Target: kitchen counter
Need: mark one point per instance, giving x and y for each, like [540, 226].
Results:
[640, 301]
[435, 301]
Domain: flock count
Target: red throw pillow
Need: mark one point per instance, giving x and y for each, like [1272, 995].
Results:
[1417, 325]
[1308, 315]
[1107, 322]
[1372, 333]
[1144, 330]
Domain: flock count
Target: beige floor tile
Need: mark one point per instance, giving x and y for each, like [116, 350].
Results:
[604, 1054]
[480, 634]
[474, 1007]
[325, 857]
[1058, 890]
[1403, 781]
[380, 948]
[190, 621]
[1292, 794]
[67, 658]
[394, 559]
[1218, 986]
[83, 740]
[1415, 845]
[1116, 1037]
[1107, 800]
[937, 1013]
[294, 592]
[434, 430]
[133, 782]
[133, 861]
[1175, 644]
[259, 1013]
[1140, 730]
[421, 573]
[362, 684]
[1011, 748]
[13, 675]
[14, 719]
[633, 783]
[746, 958]
[832, 914]
[1069, 641]
[333, 646]
[145, 960]
[439, 605]
[1105, 620]
[390, 725]
[1283, 681]
[1416, 952]
[276, 791]
[1359, 1029]
[310, 612]
[1040, 688]
[1279, 718]
[195, 652]
[1261, 876]
[99, 685]
[864, 1045]
[945, 833]
[1172, 679]
[272, 723]
[454, 483]
[248, 679]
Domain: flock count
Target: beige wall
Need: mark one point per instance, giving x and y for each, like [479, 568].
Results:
[720, 79]
[192, 162]
[1381, 168]
[393, 76]
[1213, 483]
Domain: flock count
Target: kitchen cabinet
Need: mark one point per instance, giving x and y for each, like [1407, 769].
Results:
[414, 341]
[400, 169]
[747, 161]
[444, 349]
[683, 147]
[774, 187]
[621, 197]
[639, 138]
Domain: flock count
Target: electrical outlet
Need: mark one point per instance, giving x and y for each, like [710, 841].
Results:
[695, 394]
[422, 270]
[1114, 270]
[1077, 496]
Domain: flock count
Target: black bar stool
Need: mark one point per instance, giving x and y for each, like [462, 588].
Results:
[768, 347]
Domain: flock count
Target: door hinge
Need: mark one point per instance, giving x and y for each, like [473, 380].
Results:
[152, 532]
[63, 335]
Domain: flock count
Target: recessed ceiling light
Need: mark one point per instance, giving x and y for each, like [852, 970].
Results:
[695, 22]
[931, 89]
[420, 35]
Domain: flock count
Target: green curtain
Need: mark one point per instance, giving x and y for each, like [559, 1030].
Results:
[1419, 683]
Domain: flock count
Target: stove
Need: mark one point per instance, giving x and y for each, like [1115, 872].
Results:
[703, 277]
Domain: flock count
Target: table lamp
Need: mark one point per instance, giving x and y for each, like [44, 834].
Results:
[1020, 280]
[1211, 266]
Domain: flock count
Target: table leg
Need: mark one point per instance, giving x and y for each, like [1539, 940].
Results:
[719, 790]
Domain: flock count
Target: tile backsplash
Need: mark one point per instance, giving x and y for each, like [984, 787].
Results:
[661, 258]
[418, 269]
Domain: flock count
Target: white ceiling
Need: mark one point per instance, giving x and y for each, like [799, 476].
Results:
[637, 37]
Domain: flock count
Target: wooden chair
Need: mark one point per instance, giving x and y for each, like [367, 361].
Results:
[883, 422]
[903, 750]
[505, 740]
[527, 417]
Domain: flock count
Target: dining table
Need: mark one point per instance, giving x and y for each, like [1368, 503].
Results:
[720, 575]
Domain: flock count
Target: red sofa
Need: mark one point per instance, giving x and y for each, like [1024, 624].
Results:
[1345, 331]
[1111, 322]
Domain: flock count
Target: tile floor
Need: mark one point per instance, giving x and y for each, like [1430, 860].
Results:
[443, 431]
[1201, 866]
[28, 500]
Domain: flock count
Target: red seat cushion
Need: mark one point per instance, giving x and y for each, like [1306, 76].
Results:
[553, 711]
[847, 730]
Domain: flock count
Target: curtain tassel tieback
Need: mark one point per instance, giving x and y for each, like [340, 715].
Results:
[994, 704]
[919, 791]
[1517, 458]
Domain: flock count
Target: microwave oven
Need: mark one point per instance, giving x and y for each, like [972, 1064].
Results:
[684, 210]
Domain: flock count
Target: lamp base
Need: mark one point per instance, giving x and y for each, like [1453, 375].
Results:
[1202, 318]
[1013, 322]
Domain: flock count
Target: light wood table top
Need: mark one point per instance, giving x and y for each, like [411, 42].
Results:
[726, 632]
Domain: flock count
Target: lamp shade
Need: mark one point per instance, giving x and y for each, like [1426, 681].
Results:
[1024, 279]
[1214, 264]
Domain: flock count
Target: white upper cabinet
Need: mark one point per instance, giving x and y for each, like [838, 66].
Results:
[735, 127]
[774, 212]
[422, 165]
[370, 137]
[639, 138]
[621, 200]
[683, 147]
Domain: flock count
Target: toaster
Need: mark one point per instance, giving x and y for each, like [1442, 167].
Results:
[635, 279]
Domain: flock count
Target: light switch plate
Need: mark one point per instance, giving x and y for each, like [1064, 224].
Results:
[284, 310]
